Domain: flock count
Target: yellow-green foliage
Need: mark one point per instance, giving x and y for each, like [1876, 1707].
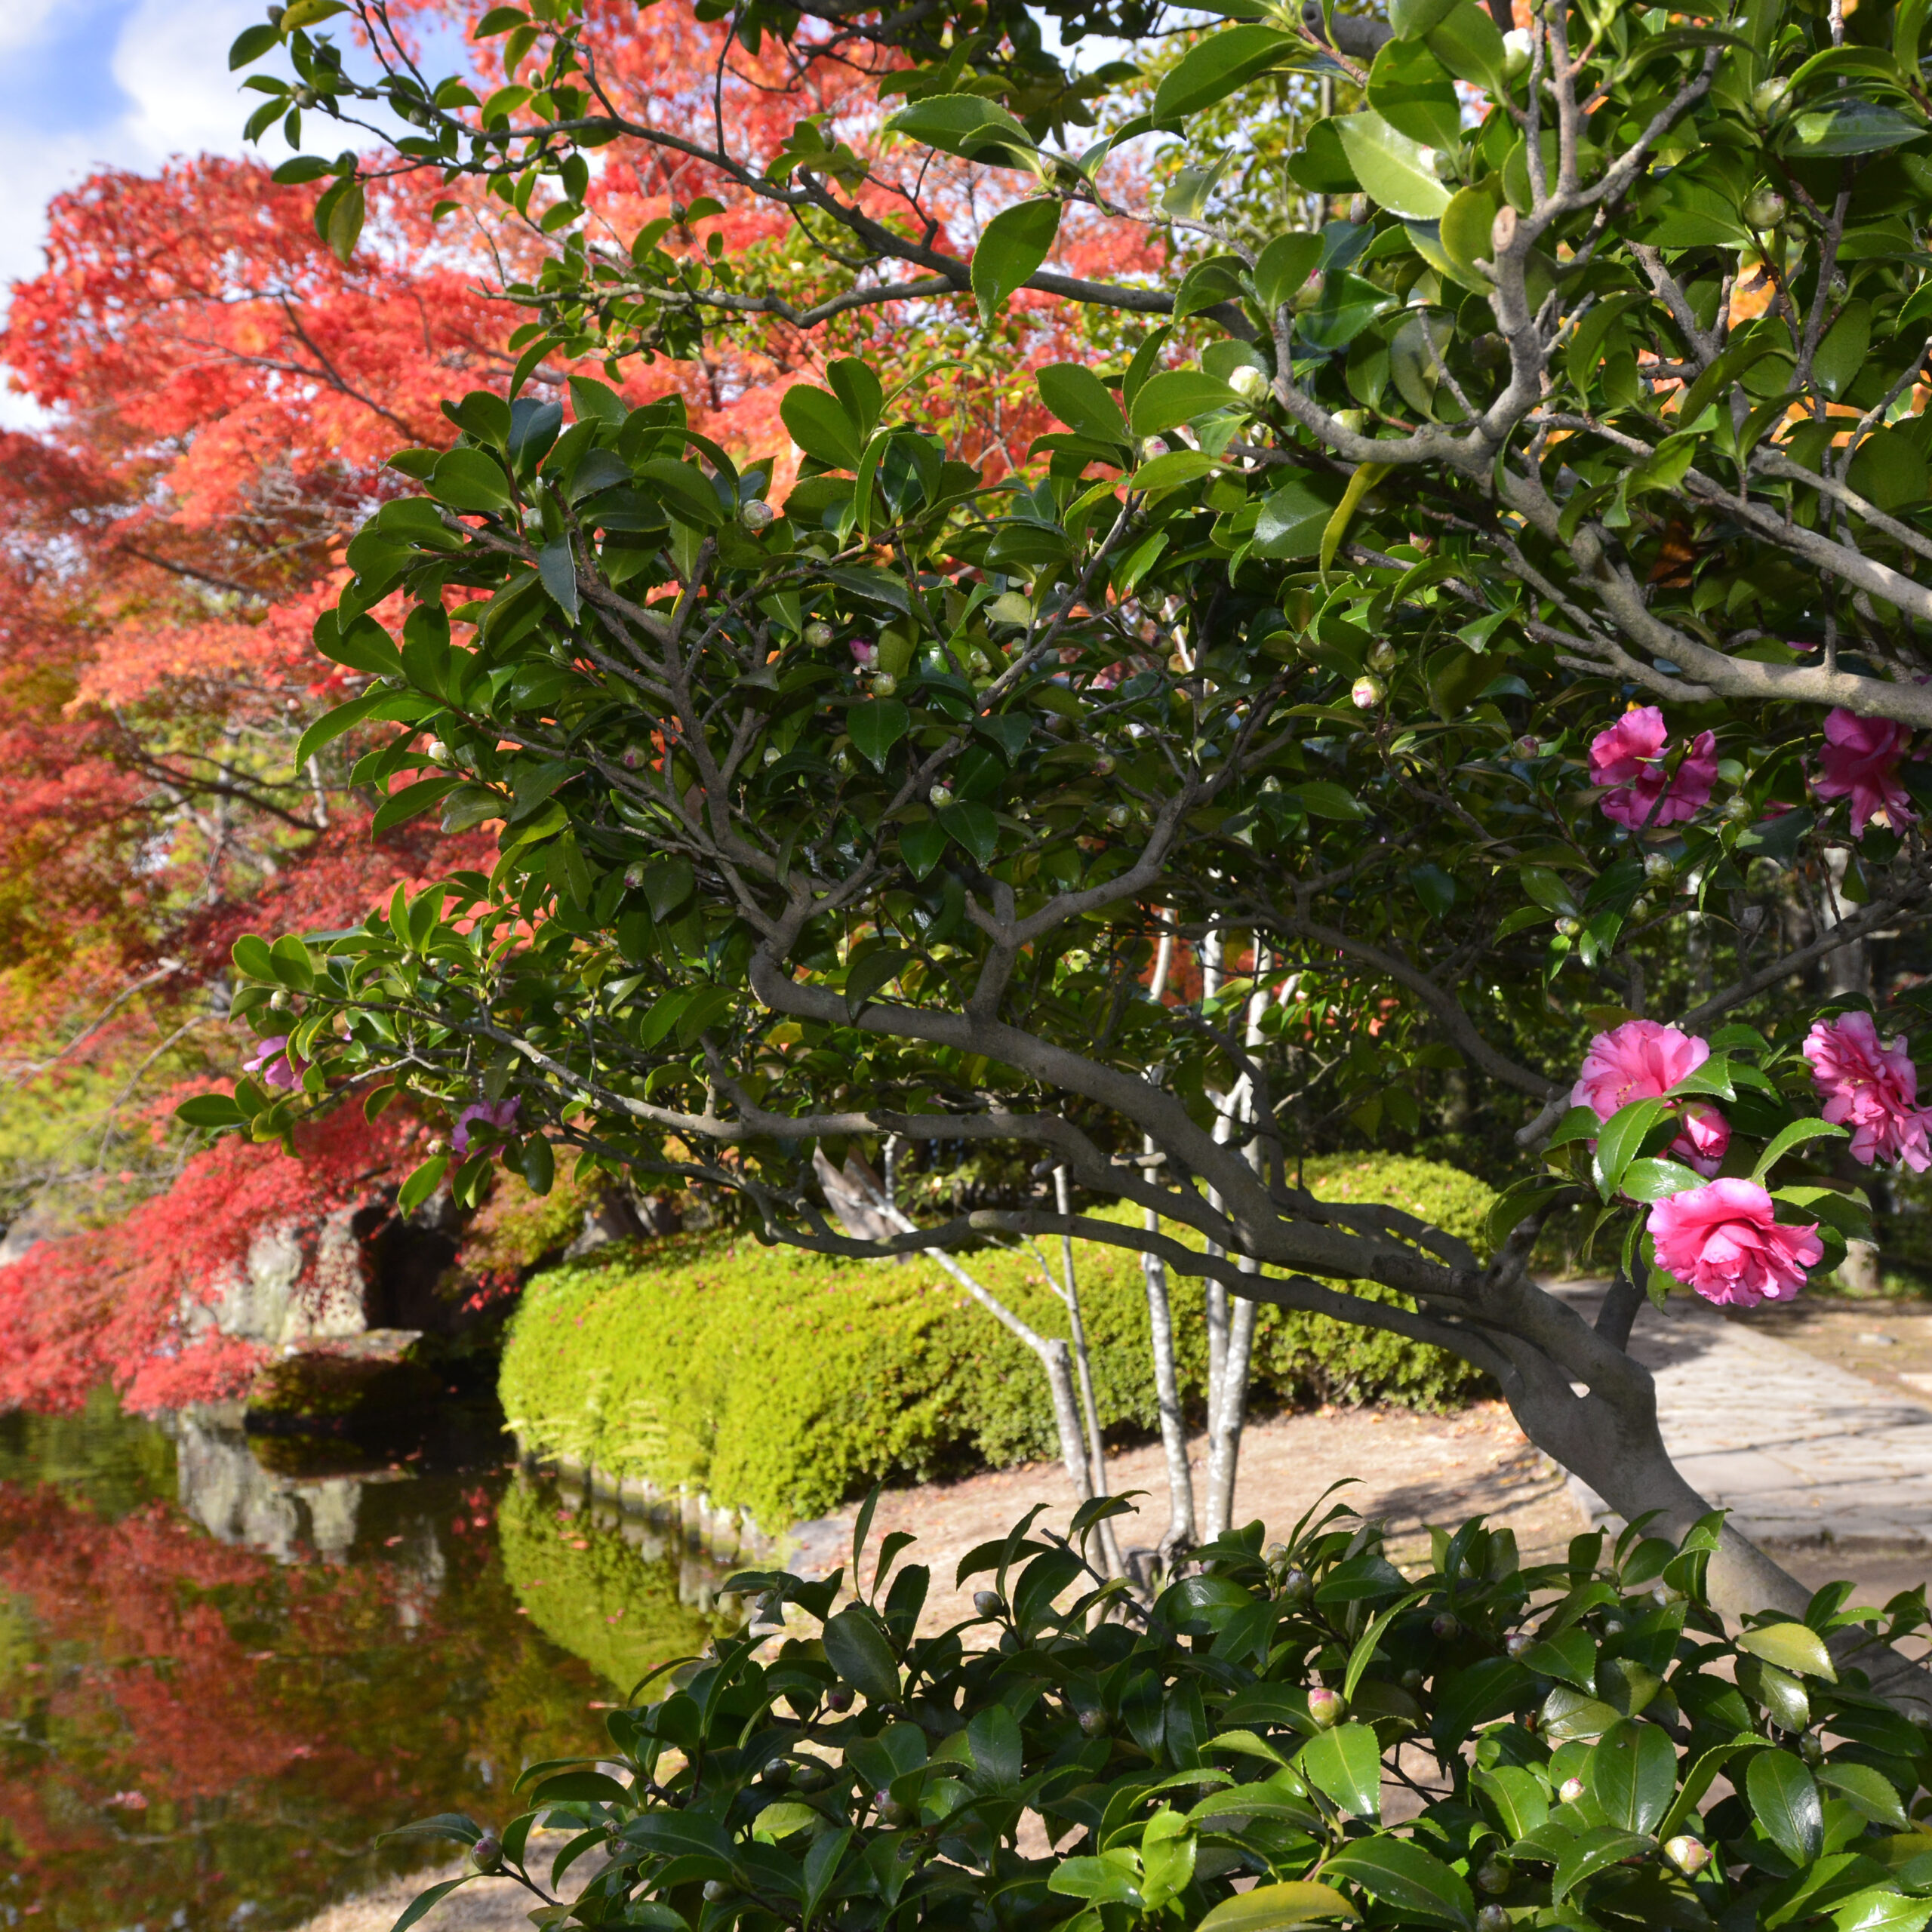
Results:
[780, 1381]
[614, 1607]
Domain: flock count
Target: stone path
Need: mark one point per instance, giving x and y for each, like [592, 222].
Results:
[1797, 1449]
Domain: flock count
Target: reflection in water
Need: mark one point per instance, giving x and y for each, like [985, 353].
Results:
[219, 1681]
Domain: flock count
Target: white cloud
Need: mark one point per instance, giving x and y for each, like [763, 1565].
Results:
[171, 61]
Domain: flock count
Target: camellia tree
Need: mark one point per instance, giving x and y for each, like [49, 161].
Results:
[1484, 628]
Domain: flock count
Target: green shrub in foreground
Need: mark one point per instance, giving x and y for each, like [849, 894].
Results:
[1579, 1715]
[781, 1381]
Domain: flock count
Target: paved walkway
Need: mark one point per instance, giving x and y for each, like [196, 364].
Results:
[1797, 1449]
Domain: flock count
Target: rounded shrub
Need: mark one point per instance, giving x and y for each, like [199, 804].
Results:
[780, 1382]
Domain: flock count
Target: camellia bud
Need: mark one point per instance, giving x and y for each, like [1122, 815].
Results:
[1569, 928]
[1412, 1679]
[438, 1145]
[1768, 97]
[772, 754]
[1494, 1876]
[1249, 383]
[1120, 816]
[1518, 48]
[1446, 1626]
[841, 762]
[1355, 421]
[1103, 766]
[635, 757]
[891, 1811]
[1275, 1553]
[1764, 209]
[487, 1854]
[1294, 1586]
[1383, 657]
[778, 1773]
[280, 1002]
[988, 1602]
[757, 515]
[941, 796]
[716, 1889]
[1528, 747]
[1739, 810]
[634, 875]
[1811, 1749]
[1570, 1790]
[1641, 907]
[1325, 1707]
[1492, 1919]
[1093, 1723]
[839, 1698]
[438, 750]
[1613, 1626]
[818, 635]
[1365, 693]
[884, 684]
[1688, 1854]
[1516, 1643]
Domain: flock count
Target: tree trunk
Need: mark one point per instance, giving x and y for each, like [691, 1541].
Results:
[1180, 1531]
[1096, 1448]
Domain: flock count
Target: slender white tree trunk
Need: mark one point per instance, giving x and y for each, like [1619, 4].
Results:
[1180, 1530]
[1083, 1365]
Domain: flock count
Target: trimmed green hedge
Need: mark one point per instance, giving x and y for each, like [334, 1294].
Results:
[779, 1381]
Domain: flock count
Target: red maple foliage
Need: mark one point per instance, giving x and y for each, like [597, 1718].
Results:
[225, 395]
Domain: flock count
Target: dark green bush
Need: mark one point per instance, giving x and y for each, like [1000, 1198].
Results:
[780, 1382]
[1573, 1721]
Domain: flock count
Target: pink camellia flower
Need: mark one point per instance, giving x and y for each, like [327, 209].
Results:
[277, 1065]
[1706, 1137]
[864, 652]
[1871, 1087]
[502, 1118]
[1724, 1240]
[1860, 762]
[1641, 1060]
[1629, 757]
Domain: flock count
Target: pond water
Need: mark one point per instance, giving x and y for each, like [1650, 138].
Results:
[225, 1668]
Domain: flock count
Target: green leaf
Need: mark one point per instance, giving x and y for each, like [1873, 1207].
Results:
[1292, 519]
[1568, 1713]
[860, 1652]
[1013, 245]
[967, 125]
[1394, 171]
[1880, 1908]
[1849, 125]
[1517, 1203]
[993, 1737]
[1176, 396]
[1785, 1800]
[332, 724]
[1277, 1907]
[290, 960]
[1411, 19]
[1795, 1135]
[210, 1110]
[1618, 1142]
[557, 567]
[1080, 399]
[684, 489]
[1467, 41]
[424, 1901]
[1405, 1876]
[876, 726]
[1346, 1764]
[1632, 1772]
[410, 801]
[1657, 1181]
[1109, 1879]
[922, 846]
[1415, 93]
[362, 644]
[421, 1183]
[1870, 1793]
[871, 971]
[1282, 270]
[584, 1787]
[1593, 1851]
[252, 957]
[1214, 68]
[1322, 798]
[470, 479]
[250, 44]
[1794, 1647]
[817, 422]
[973, 827]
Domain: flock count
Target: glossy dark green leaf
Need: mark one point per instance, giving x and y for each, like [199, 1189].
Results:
[1216, 66]
[1012, 247]
[1401, 1874]
[1784, 1800]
